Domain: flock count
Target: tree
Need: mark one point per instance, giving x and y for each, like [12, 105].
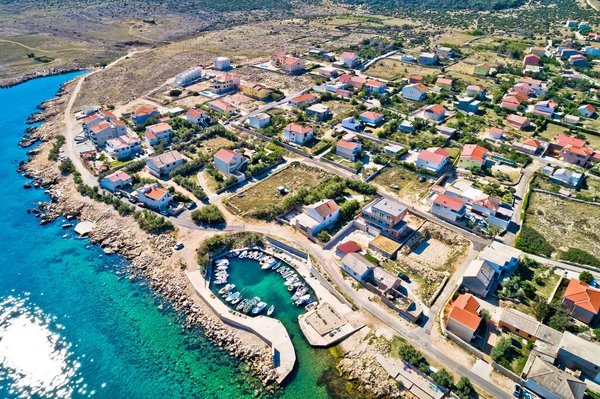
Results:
[464, 388]
[411, 355]
[209, 214]
[541, 309]
[502, 350]
[67, 167]
[560, 320]
[485, 315]
[597, 334]
[443, 378]
[323, 236]
[175, 93]
[586, 277]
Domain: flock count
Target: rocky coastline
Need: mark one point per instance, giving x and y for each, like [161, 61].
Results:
[10, 82]
[150, 256]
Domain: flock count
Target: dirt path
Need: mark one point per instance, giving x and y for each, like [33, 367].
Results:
[48, 51]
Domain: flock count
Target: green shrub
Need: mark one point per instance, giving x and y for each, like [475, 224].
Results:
[586, 277]
[152, 222]
[66, 167]
[323, 236]
[55, 150]
[208, 215]
[531, 241]
[175, 93]
[580, 256]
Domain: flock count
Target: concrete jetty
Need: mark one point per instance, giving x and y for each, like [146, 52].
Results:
[270, 330]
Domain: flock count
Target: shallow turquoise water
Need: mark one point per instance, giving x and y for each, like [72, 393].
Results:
[71, 325]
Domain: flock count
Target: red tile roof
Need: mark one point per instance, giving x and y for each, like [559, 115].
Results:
[583, 295]
[225, 155]
[118, 175]
[533, 143]
[436, 109]
[195, 113]
[155, 193]
[100, 127]
[374, 83]
[444, 81]
[473, 151]
[291, 60]
[298, 128]
[476, 88]
[563, 140]
[326, 208]
[159, 127]
[347, 54]
[449, 202]
[371, 115]
[420, 87]
[465, 311]
[349, 247]
[348, 145]
[144, 110]
[433, 156]
[303, 98]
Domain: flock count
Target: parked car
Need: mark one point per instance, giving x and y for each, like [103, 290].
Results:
[404, 277]
[517, 391]
[179, 246]
[132, 200]
[141, 204]
[191, 205]
[164, 213]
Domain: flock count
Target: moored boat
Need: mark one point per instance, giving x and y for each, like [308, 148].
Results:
[259, 307]
[227, 288]
[271, 310]
[236, 300]
[241, 305]
[243, 254]
[220, 281]
[311, 306]
[233, 296]
[302, 299]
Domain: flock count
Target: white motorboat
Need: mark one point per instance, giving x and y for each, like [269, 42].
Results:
[233, 296]
[227, 288]
[259, 256]
[223, 262]
[271, 310]
[243, 254]
[220, 281]
[290, 280]
[267, 264]
[302, 299]
[259, 307]
[222, 276]
[277, 266]
[236, 300]
[222, 268]
[310, 306]
[300, 292]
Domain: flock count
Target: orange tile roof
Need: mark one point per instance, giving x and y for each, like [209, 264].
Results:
[195, 113]
[298, 128]
[326, 208]
[374, 83]
[420, 87]
[583, 295]
[100, 126]
[583, 151]
[303, 98]
[566, 140]
[444, 81]
[118, 175]
[532, 142]
[144, 110]
[159, 127]
[156, 193]
[436, 109]
[465, 311]
[467, 302]
[371, 115]
[449, 202]
[473, 151]
[348, 145]
[225, 155]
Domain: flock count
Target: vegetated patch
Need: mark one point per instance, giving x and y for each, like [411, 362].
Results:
[409, 188]
[577, 255]
[562, 223]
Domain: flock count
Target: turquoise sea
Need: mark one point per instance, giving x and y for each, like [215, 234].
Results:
[72, 325]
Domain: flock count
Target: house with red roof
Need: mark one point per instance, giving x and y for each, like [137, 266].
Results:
[433, 159]
[531, 59]
[292, 65]
[296, 133]
[317, 217]
[229, 162]
[475, 91]
[371, 118]
[580, 156]
[221, 106]
[434, 112]
[416, 79]
[154, 134]
[414, 92]
[448, 207]
[517, 122]
[154, 197]
[562, 141]
[482, 69]
[581, 301]
[346, 248]
[496, 133]
[197, 117]
[116, 180]
[545, 108]
[444, 83]
[307, 98]
[375, 86]
[587, 110]
[106, 130]
[349, 150]
[539, 51]
[511, 102]
[472, 157]
[143, 113]
[124, 146]
[463, 318]
[356, 81]
[349, 59]
[96, 118]
[528, 146]
[224, 83]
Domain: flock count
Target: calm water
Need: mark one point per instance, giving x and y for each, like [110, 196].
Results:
[71, 325]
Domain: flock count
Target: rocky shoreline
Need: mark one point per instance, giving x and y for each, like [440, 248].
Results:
[39, 74]
[149, 255]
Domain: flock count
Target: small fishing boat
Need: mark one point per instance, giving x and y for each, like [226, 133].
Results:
[222, 262]
[241, 305]
[222, 267]
[300, 292]
[311, 306]
[290, 281]
[227, 288]
[233, 296]
[221, 273]
[243, 255]
[236, 300]
[302, 299]
[271, 310]
[220, 281]
[251, 304]
[277, 266]
[259, 307]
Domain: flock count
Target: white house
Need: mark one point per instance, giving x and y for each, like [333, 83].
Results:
[154, 197]
[106, 130]
[371, 118]
[434, 112]
[449, 208]
[352, 124]
[116, 180]
[349, 60]
[348, 149]
[586, 110]
[221, 63]
[321, 111]
[163, 164]
[123, 146]
[197, 117]
[357, 266]
[96, 118]
[433, 159]
[230, 162]
[414, 92]
[296, 133]
[224, 83]
[259, 121]
[157, 133]
[317, 217]
[188, 76]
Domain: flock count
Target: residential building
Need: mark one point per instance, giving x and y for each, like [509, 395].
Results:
[355, 81]
[406, 126]
[278, 58]
[479, 277]
[94, 119]
[517, 122]
[482, 69]
[564, 141]
[475, 91]
[296, 133]
[116, 180]
[591, 51]
[154, 197]
[142, 114]
[531, 59]
[535, 84]
[393, 149]
[472, 157]
[539, 51]
[519, 323]
[448, 207]
[188, 76]
[503, 258]
[224, 83]
[550, 382]
[496, 133]
[595, 37]
[163, 164]
[511, 102]
[584, 25]
[317, 217]
[581, 301]
[221, 106]
[579, 355]
[346, 248]
[375, 86]
[349, 150]
[371, 118]
[357, 266]
[566, 178]
[444, 52]
[328, 72]
[528, 146]
[571, 120]
[434, 112]
[198, 117]
[292, 65]
[221, 63]
[349, 60]
[566, 53]
[351, 123]
[579, 156]
[329, 57]
[522, 91]
[433, 159]
[255, 91]
[124, 146]
[259, 121]
[532, 69]
[157, 133]
[229, 162]
[428, 58]
[463, 319]
[468, 104]
[579, 60]
[444, 83]
[571, 23]
[414, 92]
[587, 110]
[106, 130]
[447, 131]
[545, 108]
[385, 216]
[321, 111]
[307, 98]
[385, 246]
[416, 79]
